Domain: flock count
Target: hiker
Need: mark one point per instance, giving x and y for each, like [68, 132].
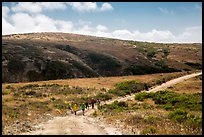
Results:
[83, 108]
[70, 108]
[75, 108]
[87, 105]
[92, 103]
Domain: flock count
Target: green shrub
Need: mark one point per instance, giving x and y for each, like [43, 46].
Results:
[8, 87]
[150, 119]
[194, 122]
[94, 113]
[163, 96]
[166, 51]
[30, 92]
[4, 92]
[117, 106]
[29, 86]
[52, 99]
[146, 106]
[104, 62]
[132, 85]
[151, 53]
[59, 106]
[103, 96]
[150, 130]
[160, 81]
[142, 95]
[179, 115]
[168, 106]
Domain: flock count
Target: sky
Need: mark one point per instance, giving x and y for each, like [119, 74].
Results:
[163, 22]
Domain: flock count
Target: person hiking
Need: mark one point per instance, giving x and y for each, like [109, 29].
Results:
[87, 104]
[92, 103]
[75, 108]
[83, 108]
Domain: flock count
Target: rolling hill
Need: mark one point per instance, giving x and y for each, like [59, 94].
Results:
[50, 56]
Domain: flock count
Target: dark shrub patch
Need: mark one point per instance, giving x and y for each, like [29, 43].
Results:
[104, 62]
[16, 66]
[56, 70]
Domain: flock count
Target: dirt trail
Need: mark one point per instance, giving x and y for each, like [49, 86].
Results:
[86, 125]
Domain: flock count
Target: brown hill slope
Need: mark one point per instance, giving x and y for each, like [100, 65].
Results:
[46, 56]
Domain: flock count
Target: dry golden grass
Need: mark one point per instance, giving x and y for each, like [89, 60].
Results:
[190, 86]
[95, 84]
[101, 82]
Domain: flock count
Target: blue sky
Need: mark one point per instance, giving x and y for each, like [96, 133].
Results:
[167, 22]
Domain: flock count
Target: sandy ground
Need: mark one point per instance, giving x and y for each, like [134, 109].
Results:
[86, 125]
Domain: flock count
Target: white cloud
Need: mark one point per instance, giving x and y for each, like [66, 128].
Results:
[165, 11]
[22, 22]
[52, 5]
[83, 6]
[89, 6]
[64, 26]
[5, 11]
[191, 34]
[37, 7]
[106, 6]
[7, 28]
[101, 28]
[29, 7]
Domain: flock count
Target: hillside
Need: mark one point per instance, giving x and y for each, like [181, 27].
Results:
[26, 105]
[50, 56]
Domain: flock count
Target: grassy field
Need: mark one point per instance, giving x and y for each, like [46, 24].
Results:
[177, 110]
[27, 101]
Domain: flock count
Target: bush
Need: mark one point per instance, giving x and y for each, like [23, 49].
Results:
[150, 130]
[30, 92]
[166, 51]
[8, 87]
[103, 96]
[29, 86]
[57, 70]
[142, 95]
[4, 92]
[151, 53]
[195, 122]
[104, 62]
[160, 81]
[163, 96]
[168, 106]
[94, 113]
[16, 66]
[132, 85]
[117, 106]
[179, 115]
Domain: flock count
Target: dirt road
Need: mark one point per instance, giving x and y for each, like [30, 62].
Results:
[75, 125]
[81, 125]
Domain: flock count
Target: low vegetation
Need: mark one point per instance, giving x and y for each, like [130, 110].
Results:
[148, 112]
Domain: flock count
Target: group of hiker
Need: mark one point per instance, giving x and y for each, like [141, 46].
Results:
[85, 105]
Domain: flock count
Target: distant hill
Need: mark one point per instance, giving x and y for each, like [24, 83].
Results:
[48, 56]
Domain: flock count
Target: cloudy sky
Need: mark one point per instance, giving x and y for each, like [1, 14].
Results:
[168, 22]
